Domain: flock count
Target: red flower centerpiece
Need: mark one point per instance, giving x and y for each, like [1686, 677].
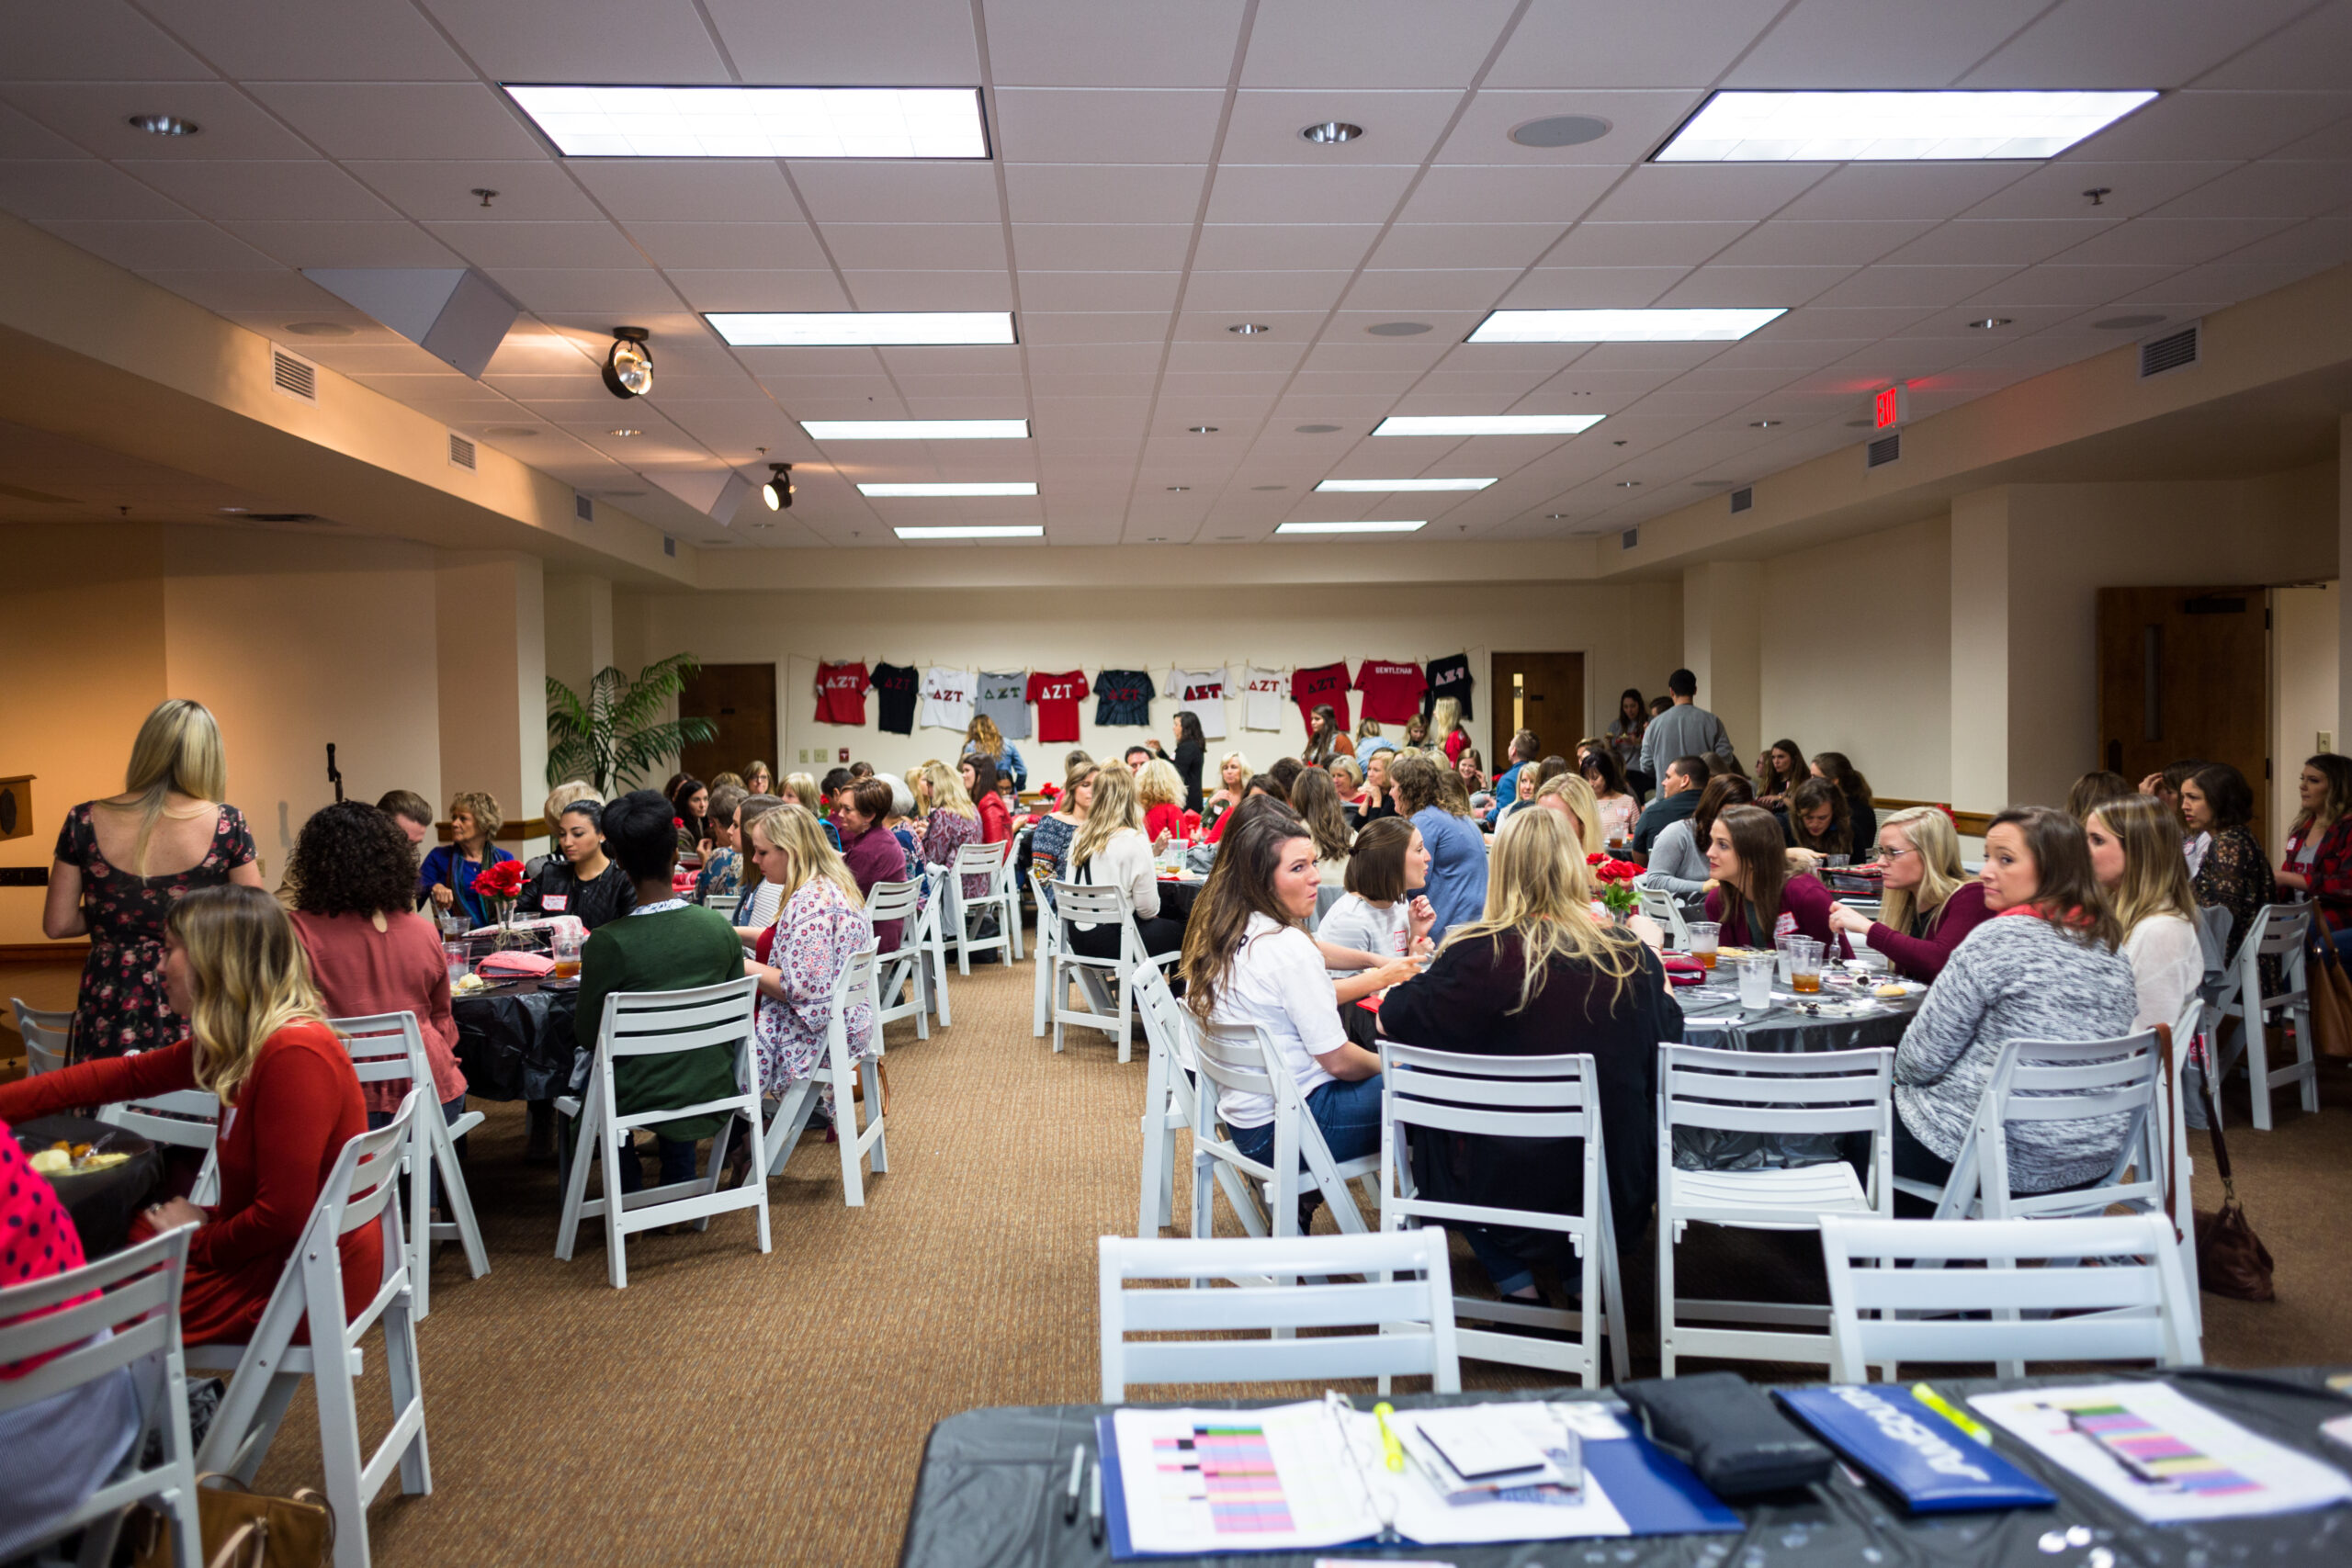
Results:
[497, 888]
[1616, 879]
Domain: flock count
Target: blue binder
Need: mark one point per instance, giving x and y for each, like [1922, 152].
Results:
[1917, 1454]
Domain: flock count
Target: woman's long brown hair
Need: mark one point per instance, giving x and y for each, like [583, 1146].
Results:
[1242, 884]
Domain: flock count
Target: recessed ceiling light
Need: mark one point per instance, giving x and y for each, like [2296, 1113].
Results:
[976, 531]
[1765, 423]
[1316, 429]
[1629, 484]
[1248, 329]
[1870, 127]
[1987, 324]
[236, 510]
[1487, 425]
[320, 329]
[916, 429]
[1561, 131]
[1622, 326]
[859, 329]
[757, 122]
[1172, 489]
[1025, 487]
[1375, 486]
[624, 430]
[164, 125]
[1264, 488]
[1201, 429]
[763, 527]
[1398, 329]
[1330, 132]
[1350, 527]
[1154, 538]
[510, 432]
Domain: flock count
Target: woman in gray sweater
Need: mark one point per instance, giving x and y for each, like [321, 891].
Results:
[1677, 861]
[2047, 970]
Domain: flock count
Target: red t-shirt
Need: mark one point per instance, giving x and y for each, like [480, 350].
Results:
[1325, 684]
[841, 693]
[1057, 698]
[1165, 818]
[1392, 692]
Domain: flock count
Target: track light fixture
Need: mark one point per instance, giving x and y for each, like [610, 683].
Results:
[629, 368]
[777, 491]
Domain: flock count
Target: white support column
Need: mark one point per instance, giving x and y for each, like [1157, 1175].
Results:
[491, 620]
[1981, 663]
[580, 628]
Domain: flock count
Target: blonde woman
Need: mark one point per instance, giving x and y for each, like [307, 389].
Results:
[984, 740]
[2137, 859]
[449, 873]
[1232, 775]
[1925, 910]
[124, 861]
[950, 820]
[798, 959]
[1111, 851]
[255, 1039]
[801, 789]
[1316, 797]
[1445, 727]
[1568, 796]
[1535, 975]
[1161, 794]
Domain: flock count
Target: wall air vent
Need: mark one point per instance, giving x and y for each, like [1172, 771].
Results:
[294, 375]
[1629, 539]
[461, 451]
[2177, 350]
[583, 508]
[669, 545]
[1743, 498]
[1883, 450]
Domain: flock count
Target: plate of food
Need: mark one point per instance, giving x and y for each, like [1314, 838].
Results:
[60, 1156]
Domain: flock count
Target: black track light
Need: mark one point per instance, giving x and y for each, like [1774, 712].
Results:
[629, 368]
[777, 491]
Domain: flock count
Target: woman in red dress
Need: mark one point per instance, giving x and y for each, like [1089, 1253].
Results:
[259, 1042]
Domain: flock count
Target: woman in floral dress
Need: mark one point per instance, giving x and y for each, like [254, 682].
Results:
[821, 927]
[105, 883]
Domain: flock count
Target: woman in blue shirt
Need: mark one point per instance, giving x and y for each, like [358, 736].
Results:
[447, 876]
[984, 740]
[1457, 877]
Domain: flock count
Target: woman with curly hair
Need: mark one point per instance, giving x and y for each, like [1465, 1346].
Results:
[369, 953]
[447, 876]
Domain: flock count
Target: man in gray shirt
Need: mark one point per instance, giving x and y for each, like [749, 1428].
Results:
[1684, 730]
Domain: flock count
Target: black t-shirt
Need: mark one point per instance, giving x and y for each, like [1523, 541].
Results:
[1123, 696]
[897, 684]
[1448, 677]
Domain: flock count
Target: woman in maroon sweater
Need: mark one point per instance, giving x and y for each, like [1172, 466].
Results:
[258, 1040]
[1755, 899]
[872, 852]
[1925, 908]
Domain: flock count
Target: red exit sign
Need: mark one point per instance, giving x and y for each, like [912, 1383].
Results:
[1891, 407]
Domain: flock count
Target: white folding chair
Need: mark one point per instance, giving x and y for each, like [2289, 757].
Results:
[844, 1072]
[1042, 955]
[1774, 1094]
[724, 904]
[661, 1023]
[1510, 1097]
[2282, 932]
[390, 1048]
[986, 862]
[2181, 1169]
[136, 1294]
[901, 971]
[1091, 904]
[1241, 1059]
[1412, 1319]
[1007, 886]
[1168, 1090]
[1666, 910]
[184, 1118]
[266, 1371]
[2118, 1311]
[46, 1035]
[928, 936]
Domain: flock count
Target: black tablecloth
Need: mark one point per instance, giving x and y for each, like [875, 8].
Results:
[103, 1203]
[990, 1495]
[1782, 1027]
[516, 1042]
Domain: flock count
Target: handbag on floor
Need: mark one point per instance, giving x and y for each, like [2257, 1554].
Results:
[2330, 990]
[244, 1528]
[2231, 1260]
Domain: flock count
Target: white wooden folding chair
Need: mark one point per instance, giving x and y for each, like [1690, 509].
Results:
[844, 1071]
[1007, 886]
[928, 935]
[2132, 1306]
[184, 1117]
[724, 904]
[130, 1325]
[1444, 1093]
[661, 1023]
[1774, 1094]
[46, 1036]
[390, 1048]
[266, 1371]
[1108, 1005]
[2282, 932]
[1411, 1318]
[1168, 1090]
[902, 971]
[2181, 1169]
[986, 862]
[1040, 954]
[1241, 1059]
[1666, 909]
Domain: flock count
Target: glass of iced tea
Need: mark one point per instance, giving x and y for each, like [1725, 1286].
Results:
[567, 954]
[1705, 936]
[1805, 966]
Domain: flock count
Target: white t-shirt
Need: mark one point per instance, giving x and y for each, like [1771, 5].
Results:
[946, 698]
[1277, 983]
[1266, 704]
[1202, 691]
[2168, 964]
[760, 913]
[1123, 862]
[1352, 922]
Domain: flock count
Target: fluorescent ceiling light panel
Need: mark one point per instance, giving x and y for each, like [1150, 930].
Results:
[976, 531]
[1350, 527]
[1623, 326]
[1873, 126]
[1024, 488]
[757, 122]
[1487, 424]
[916, 429]
[1376, 487]
[859, 329]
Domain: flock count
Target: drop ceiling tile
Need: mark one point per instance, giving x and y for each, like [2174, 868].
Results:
[1593, 287]
[1513, 358]
[1235, 354]
[585, 40]
[1926, 286]
[397, 243]
[782, 362]
[2235, 280]
[1080, 43]
[2309, 53]
[1238, 294]
[1989, 242]
[1429, 291]
[2325, 242]
[1102, 193]
[1046, 327]
[1104, 247]
[1694, 193]
[794, 390]
[181, 245]
[1398, 128]
[263, 301]
[1514, 246]
[2267, 190]
[289, 40]
[1083, 125]
[1084, 416]
[714, 247]
[442, 191]
[405, 120]
[1276, 194]
[916, 247]
[877, 191]
[1371, 43]
[2051, 284]
[956, 359]
[1818, 323]
[1637, 123]
[1790, 243]
[1642, 245]
[496, 245]
[21, 137]
[760, 288]
[1002, 388]
[1351, 358]
[1353, 411]
[2061, 190]
[1851, 44]
[1907, 190]
[1075, 384]
[880, 43]
[873, 290]
[80, 187]
[585, 289]
[1458, 193]
[313, 189]
[95, 116]
[1497, 389]
[1099, 290]
[2150, 242]
[2091, 44]
[2199, 124]
[1054, 359]
[721, 190]
[1282, 247]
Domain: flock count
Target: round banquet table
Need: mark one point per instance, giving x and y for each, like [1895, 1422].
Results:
[103, 1203]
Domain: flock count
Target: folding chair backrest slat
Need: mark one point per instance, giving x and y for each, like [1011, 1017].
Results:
[1765, 1091]
[376, 1165]
[979, 860]
[383, 1046]
[2279, 929]
[141, 1288]
[188, 1119]
[1090, 903]
[46, 1035]
[1165, 1022]
[893, 901]
[653, 1023]
[1230, 1057]
[1498, 1096]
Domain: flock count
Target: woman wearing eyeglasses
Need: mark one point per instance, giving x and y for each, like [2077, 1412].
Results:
[1925, 908]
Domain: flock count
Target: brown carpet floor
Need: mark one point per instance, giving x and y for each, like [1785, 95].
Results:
[730, 1406]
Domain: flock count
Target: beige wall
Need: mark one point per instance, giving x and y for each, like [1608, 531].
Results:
[2304, 691]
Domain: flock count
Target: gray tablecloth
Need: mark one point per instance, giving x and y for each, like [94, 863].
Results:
[1782, 1027]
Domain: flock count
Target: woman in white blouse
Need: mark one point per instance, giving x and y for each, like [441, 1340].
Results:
[1111, 851]
[2136, 856]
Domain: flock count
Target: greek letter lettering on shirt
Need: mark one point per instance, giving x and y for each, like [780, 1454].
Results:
[1059, 690]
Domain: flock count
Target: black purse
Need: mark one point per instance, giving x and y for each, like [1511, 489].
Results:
[1724, 1428]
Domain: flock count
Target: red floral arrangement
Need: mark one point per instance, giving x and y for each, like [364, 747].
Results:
[1616, 879]
[1050, 791]
[500, 881]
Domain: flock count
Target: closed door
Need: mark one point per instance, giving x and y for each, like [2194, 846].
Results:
[740, 700]
[1541, 691]
[2184, 673]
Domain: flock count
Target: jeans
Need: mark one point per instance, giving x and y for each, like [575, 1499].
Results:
[677, 1163]
[1347, 1113]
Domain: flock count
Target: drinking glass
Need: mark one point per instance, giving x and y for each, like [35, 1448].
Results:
[1780, 948]
[453, 953]
[1804, 965]
[1755, 982]
[1706, 937]
[566, 953]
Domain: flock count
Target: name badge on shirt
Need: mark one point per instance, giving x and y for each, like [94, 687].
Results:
[556, 903]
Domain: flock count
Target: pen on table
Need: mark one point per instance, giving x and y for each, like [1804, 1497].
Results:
[1094, 1505]
[1077, 1473]
[1951, 1413]
[1388, 1442]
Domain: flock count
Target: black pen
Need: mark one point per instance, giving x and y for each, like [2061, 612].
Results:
[1077, 1473]
[1094, 1505]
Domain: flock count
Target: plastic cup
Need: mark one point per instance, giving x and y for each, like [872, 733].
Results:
[1755, 982]
[1781, 950]
[454, 954]
[566, 946]
[1706, 937]
[1804, 965]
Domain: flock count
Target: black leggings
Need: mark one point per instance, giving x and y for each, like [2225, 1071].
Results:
[1161, 934]
[1914, 1161]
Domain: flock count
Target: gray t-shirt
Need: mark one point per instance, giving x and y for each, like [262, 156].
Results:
[1351, 922]
[1002, 698]
[1686, 730]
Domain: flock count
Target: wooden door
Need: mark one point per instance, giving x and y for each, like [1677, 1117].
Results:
[739, 700]
[1541, 691]
[2184, 673]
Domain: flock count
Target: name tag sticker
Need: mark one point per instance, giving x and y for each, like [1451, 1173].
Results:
[556, 903]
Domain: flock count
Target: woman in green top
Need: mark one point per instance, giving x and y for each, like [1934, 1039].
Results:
[663, 944]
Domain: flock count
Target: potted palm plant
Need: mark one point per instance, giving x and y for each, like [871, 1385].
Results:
[615, 736]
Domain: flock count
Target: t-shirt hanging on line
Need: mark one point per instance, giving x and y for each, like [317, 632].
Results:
[1392, 692]
[1123, 696]
[1003, 701]
[1057, 697]
[896, 686]
[1202, 692]
[1324, 684]
[841, 693]
[947, 698]
[1265, 699]
[1448, 677]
